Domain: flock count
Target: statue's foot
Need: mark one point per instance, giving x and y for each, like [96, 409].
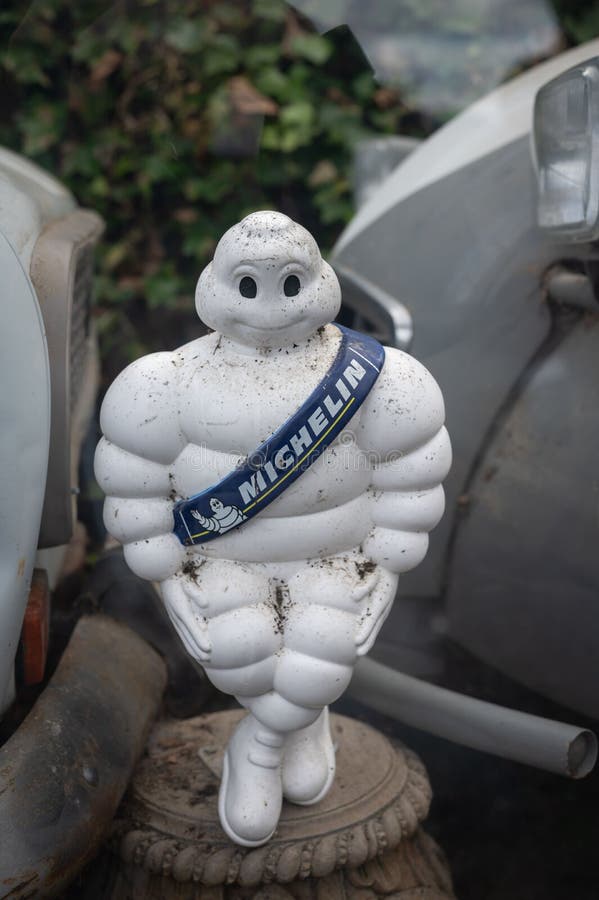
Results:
[250, 797]
[309, 762]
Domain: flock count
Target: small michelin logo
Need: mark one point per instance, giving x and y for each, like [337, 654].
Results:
[223, 519]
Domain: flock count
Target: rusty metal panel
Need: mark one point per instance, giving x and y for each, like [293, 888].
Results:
[64, 771]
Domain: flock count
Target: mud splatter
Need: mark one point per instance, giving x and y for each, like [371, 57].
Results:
[365, 568]
[191, 568]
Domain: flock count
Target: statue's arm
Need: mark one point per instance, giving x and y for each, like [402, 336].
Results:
[402, 428]
[133, 464]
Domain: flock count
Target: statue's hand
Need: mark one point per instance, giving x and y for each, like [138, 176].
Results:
[376, 595]
[198, 515]
[183, 610]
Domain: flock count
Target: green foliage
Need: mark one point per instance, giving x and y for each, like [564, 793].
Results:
[173, 118]
[583, 27]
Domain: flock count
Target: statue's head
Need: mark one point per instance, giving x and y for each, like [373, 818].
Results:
[267, 285]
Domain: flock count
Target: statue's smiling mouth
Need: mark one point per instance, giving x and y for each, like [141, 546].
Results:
[269, 329]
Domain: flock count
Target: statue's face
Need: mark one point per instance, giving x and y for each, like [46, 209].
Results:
[267, 285]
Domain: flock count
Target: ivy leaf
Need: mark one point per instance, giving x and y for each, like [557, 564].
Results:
[313, 47]
[163, 287]
[272, 10]
[262, 56]
[186, 35]
[220, 55]
[299, 114]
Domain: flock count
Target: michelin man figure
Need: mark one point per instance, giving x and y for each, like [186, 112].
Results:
[275, 477]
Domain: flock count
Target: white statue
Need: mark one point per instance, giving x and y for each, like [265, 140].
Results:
[290, 572]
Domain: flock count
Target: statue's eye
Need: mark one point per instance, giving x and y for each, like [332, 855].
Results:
[292, 286]
[247, 287]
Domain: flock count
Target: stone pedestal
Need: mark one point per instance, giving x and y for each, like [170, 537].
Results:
[362, 842]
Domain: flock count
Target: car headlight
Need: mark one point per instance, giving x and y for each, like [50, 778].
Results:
[566, 149]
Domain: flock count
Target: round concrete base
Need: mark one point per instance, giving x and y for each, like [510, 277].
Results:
[362, 841]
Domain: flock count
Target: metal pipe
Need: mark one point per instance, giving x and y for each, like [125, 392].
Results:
[554, 746]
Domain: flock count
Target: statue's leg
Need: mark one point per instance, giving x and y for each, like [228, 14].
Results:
[315, 662]
[235, 605]
[330, 602]
[309, 762]
[224, 612]
[250, 796]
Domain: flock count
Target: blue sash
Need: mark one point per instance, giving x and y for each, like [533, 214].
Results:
[281, 459]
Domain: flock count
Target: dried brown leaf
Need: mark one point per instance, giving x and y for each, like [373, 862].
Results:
[247, 100]
[185, 215]
[105, 66]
